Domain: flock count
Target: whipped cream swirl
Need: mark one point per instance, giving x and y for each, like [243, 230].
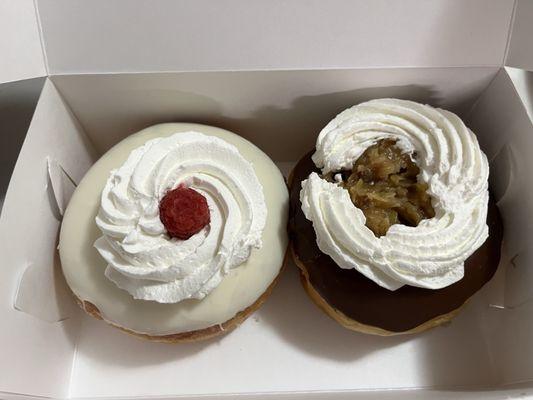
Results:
[432, 254]
[142, 258]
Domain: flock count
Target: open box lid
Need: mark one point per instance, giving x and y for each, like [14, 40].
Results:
[22, 55]
[146, 36]
[520, 52]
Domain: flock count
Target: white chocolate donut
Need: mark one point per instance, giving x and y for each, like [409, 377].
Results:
[142, 257]
[243, 285]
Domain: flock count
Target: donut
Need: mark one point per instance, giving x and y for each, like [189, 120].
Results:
[413, 275]
[176, 234]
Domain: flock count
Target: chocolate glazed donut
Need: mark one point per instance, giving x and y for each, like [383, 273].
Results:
[359, 303]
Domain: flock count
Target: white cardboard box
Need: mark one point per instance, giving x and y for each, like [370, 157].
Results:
[274, 72]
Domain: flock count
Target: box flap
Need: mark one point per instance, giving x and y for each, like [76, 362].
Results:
[507, 139]
[36, 283]
[520, 49]
[29, 226]
[22, 54]
[186, 35]
[523, 83]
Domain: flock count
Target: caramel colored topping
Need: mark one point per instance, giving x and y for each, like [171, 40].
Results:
[383, 184]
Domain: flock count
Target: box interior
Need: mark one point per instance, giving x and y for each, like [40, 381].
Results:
[280, 111]
[80, 117]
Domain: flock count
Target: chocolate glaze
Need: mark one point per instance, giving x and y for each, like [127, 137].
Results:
[366, 302]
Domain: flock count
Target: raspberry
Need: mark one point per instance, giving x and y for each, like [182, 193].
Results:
[184, 212]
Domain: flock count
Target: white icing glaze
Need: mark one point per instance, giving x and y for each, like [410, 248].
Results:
[84, 268]
[141, 257]
[432, 254]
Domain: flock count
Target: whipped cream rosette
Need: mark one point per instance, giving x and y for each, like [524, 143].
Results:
[142, 257]
[432, 254]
